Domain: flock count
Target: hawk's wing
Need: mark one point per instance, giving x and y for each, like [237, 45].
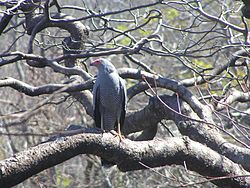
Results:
[97, 113]
[124, 101]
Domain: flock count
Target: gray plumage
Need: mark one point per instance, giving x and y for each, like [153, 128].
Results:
[109, 96]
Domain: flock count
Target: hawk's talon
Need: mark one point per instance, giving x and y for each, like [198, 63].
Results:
[121, 137]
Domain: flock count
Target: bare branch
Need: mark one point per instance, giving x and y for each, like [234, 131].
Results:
[217, 70]
[45, 89]
[128, 155]
[199, 9]
[185, 94]
[234, 95]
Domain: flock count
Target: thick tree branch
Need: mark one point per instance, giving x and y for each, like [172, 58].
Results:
[9, 13]
[234, 95]
[213, 139]
[155, 111]
[43, 62]
[4, 22]
[128, 155]
[149, 117]
[173, 85]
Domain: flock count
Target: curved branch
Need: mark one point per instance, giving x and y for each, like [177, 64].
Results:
[147, 118]
[68, 70]
[234, 96]
[78, 32]
[114, 51]
[45, 89]
[175, 86]
[9, 13]
[44, 62]
[99, 15]
[155, 111]
[217, 70]
[214, 18]
[128, 155]
[4, 22]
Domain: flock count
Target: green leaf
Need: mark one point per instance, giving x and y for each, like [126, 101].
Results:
[201, 64]
[122, 27]
[64, 181]
[125, 41]
[145, 32]
[172, 14]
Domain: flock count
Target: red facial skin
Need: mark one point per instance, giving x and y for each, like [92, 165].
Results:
[96, 63]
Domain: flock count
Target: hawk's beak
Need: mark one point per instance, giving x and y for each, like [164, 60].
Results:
[94, 63]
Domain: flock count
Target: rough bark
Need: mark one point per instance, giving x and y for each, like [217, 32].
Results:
[208, 135]
[128, 155]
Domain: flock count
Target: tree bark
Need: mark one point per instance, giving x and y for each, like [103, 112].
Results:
[128, 155]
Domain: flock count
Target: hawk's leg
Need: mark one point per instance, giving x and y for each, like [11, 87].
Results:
[118, 133]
